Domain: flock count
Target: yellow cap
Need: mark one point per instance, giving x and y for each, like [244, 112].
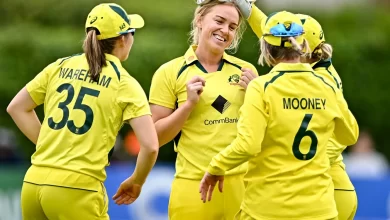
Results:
[313, 31]
[282, 24]
[111, 20]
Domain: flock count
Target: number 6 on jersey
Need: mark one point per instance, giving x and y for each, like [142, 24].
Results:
[302, 132]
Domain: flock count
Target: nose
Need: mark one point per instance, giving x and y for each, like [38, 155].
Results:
[225, 29]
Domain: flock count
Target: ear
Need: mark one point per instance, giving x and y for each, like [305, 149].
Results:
[122, 41]
[199, 21]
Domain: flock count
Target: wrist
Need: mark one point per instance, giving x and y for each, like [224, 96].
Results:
[137, 180]
[188, 105]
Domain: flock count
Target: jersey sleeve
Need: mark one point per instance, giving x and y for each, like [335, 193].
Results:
[38, 86]
[334, 149]
[162, 89]
[346, 130]
[133, 99]
[255, 20]
[250, 133]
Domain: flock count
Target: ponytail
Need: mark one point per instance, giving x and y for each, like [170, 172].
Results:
[323, 51]
[94, 50]
[270, 54]
[303, 49]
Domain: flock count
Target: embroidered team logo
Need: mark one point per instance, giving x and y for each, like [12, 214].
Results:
[234, 78]
[287, 25]
[321, 35]
[93, 20]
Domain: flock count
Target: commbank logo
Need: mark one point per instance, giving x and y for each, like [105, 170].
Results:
[221, 104]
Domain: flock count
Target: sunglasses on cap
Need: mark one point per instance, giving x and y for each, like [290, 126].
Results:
[202, 2]
[131, 31]
[280, 30]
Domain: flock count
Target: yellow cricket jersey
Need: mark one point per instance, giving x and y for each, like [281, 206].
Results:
[82, 120]
[212, 124]
[285, 123]
[323, 68]
[341, 180]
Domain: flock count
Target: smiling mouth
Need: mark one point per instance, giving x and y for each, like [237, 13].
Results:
[219, 38]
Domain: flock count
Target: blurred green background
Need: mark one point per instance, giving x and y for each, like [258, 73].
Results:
[36, 33]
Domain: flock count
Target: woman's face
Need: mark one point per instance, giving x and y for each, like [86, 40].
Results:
[218, 27]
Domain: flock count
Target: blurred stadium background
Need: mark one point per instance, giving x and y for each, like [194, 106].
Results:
[36, 33]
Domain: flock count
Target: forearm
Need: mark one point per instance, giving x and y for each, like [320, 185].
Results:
[167, 128]
[228, 159]
[145, 162]
[28, 123]
[255, 20]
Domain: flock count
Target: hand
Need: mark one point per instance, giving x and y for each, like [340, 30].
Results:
[207, 185]
[127, 192]
[246, 77]
[194, 89]
[244, 6]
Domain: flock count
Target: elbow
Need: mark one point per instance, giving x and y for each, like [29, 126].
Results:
[11, 109]
[152, 149]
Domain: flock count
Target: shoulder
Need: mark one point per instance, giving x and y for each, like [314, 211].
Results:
[266, 80]
[238, 62]
[76, 56]
[171, 68]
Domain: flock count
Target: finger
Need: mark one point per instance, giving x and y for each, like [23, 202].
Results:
[200, 91]
[123, 200]
[204, 192]
[220, 185]
[196, 79]
[249, 75]
[130, 200]
[240, 83]
[201, 185]
[204, 189]
[196, 84]
[211, 189]
[248, 72]
[196, 88]
[245, 79]
[117, 194]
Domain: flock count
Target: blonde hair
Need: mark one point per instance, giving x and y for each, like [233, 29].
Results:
[205, 8]
[323, 51]
[271, 54]
[94, 50]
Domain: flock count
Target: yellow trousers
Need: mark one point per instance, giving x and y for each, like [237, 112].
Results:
[185, 202]
[46, 202]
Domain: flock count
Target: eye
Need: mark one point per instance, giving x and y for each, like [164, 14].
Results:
[232, 28]
[218, 21]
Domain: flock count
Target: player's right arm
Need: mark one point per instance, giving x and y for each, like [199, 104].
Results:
[169, 121]
[346, 130]
[137, 114]
[22, 106]
[253, 15]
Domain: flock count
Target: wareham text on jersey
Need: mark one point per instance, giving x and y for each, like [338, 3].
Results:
[82, 74]
[304, 103]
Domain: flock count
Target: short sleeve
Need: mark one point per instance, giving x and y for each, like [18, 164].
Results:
[346, 130]
[162, 89]
[38, 86]
[133, 99]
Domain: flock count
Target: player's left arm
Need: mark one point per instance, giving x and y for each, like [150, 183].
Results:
[346, 130]
[251, 129]
[22, 106]
[253, 15]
